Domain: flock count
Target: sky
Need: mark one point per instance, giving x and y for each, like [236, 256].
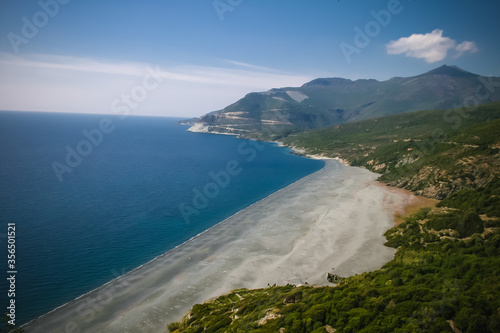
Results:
[187, 58]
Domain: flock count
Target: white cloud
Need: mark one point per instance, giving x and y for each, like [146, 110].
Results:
[70, 84]
[431, 47]
[465, 47]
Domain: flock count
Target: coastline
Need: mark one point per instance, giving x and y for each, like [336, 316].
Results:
[416, 203]
[303, 152]
[331, 220]
[413, 205]
[122, 280]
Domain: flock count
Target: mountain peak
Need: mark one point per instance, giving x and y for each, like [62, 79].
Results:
[334, 81]
[450, 71]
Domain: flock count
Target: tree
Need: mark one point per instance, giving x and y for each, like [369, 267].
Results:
[470, 224]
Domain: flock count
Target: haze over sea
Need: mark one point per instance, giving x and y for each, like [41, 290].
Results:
[120, 206]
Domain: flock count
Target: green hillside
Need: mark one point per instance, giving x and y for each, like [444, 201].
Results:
[433, 153]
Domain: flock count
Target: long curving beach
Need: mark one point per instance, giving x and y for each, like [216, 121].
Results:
[330, 221]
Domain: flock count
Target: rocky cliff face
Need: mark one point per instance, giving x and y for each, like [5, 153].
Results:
[435, 182]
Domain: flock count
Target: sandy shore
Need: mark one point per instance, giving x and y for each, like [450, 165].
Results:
[330, 221]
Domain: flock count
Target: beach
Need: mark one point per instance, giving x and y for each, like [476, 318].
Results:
[329, 222]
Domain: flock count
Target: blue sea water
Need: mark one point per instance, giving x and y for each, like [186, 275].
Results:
[142, 186]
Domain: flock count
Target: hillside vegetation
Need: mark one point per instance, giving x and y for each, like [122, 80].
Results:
[433, 153]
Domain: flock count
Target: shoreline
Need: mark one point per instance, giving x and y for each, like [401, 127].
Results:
[415, 203]
[159, 257]
[331, 218]
[411, 206]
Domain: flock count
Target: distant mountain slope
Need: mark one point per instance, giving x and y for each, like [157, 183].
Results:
[331, 101]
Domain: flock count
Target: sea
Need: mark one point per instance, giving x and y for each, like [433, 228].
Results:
[90, 197]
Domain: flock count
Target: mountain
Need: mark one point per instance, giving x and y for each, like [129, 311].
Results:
[331, 101]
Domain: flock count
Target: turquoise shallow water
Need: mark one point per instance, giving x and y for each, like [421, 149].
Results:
[95, 196]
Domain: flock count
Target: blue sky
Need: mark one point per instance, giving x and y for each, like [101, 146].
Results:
[186, 58]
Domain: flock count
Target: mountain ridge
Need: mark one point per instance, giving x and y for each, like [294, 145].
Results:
[323, 102]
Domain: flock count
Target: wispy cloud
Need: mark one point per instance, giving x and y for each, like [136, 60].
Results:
[72, 84]
[431, 47]
[250, 66]
[43, 61]
[465, 47]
